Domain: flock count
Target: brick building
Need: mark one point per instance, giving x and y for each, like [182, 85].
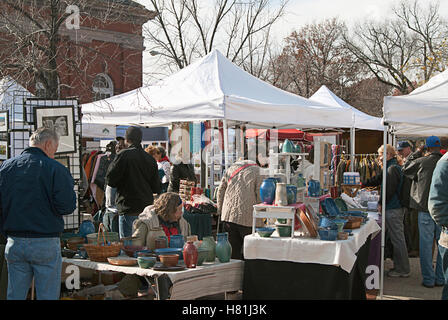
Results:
[103, 57]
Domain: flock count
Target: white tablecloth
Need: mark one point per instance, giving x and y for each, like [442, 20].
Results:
[208, 279]
[311, 250]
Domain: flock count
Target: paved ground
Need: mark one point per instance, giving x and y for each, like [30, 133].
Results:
[408, 288]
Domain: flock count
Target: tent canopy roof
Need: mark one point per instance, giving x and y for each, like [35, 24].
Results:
[361, 120]
[214, 88]
[423, 112]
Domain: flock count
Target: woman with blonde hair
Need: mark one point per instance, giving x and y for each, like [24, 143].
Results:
[166, 212]
[394, 210]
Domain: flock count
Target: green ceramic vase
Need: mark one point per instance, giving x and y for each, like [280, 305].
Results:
[223, 247]
[210, 245]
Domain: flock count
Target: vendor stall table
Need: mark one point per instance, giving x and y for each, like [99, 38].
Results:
[307, 268]
[208, 279]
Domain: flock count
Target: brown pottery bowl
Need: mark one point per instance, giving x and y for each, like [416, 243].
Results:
[169, 260]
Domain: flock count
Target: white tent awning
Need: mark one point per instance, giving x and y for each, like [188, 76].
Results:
[214, 88]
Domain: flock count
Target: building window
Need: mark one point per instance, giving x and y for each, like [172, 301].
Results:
[102, 87]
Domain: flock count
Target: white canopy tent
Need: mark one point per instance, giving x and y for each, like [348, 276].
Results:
[423, 112]
[360, 120]
[213, 88]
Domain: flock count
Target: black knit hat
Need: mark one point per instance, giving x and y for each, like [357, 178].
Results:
[134, 134]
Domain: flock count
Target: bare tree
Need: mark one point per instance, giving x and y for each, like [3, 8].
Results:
[314, 56]
[400, 51]
[38, 49]
[432, 33]
[187, 29]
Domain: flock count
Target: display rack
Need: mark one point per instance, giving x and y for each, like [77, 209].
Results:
[275, 212]
[288, 156]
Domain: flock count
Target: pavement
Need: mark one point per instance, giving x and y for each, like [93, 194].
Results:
[408, 288]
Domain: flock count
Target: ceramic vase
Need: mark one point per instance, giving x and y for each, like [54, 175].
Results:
[190, 254]
[281, 198]
[313, 188]
[223, 247]
[291, 192]
[153, 234]
[161, 242]
[210, 245]
[288, 146]
[301, 181]
[176, 241]
[267, 190]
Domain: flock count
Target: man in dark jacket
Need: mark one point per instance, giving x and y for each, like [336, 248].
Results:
[135, 175]
[410, 214]
[35, 192]
[420, 169]
[394, 211]
[438, 208]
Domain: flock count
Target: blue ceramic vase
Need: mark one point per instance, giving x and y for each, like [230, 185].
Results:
[267, 190]
[314, 188]
[223, 247]
[177, 241]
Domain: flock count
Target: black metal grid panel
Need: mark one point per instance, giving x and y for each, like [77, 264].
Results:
[71, 221]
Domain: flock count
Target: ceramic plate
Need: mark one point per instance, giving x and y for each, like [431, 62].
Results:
[161, 267]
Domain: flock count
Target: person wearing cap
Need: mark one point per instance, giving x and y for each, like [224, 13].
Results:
[438, 208]
[404, 149]
[410, 215]
[120, 145]
[420, 169]
[135, 175]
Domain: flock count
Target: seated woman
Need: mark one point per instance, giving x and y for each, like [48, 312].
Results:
[166, 213]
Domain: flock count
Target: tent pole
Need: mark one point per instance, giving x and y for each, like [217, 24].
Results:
[383, 207]
[226, 144]
[352, 148]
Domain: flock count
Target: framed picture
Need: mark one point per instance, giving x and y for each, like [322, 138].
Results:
[4, 151]
[62, 120]
[4, 121]
[65, 161]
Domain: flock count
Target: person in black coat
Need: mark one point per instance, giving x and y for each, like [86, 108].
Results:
[135, 175]
[180, 171]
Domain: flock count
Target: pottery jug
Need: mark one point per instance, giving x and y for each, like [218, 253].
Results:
[291, 191]
[281, 198]
[190, 254]
[288, 146]
[195, 240]
[153, 234]
[267, 190]
[210, 245]
[297, 148]
[161, 242]
[86, 228]
[314, 188]
[176, 241]
[223, 247]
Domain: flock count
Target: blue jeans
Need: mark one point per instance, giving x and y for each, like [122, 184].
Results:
[110, 221]
[34, 257]
[444, 254]
[429, 231]
[125, 225]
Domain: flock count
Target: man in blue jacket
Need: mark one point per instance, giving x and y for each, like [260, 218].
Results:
[35, 192]
[438, 208]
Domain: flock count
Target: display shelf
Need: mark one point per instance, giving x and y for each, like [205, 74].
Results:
[274, 212]
[288, 167]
